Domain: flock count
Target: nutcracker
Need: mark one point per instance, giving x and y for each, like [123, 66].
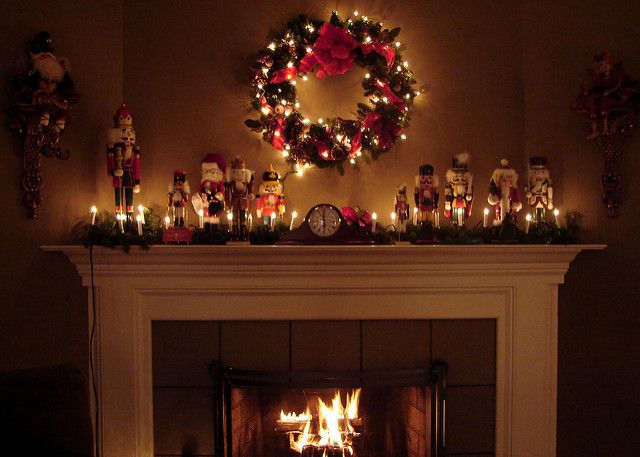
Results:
[539, 191]
[504, 193]
[210, 196]
[270, 199]
[123, 162]
[426, 199]
[458, 193]
[238, 196]
[178, 197]
[401, 208]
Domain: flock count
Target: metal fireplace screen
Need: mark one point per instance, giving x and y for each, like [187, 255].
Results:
[390, 413]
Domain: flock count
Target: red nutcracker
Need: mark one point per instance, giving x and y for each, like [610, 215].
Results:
[401, 208]
[504, 193]
[270, 199]
[239, 194]
[123, 161]
[426, 199]
[539, 192]
[458, 193]
[178, 198]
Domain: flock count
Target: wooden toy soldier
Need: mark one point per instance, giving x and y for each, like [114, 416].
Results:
[239, 194]
[401, 208]
[178, 197]
[270, 199]
[458, 192]
[426, 199]
[504, 193]
[123, 162]
[539, 192]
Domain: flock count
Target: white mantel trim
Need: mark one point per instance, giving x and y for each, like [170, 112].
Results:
[514, 284]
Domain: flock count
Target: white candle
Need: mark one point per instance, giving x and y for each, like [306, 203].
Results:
[460, 215]
[437, 219]
[201, 218]
[485, 221]
[374, 221]
[250, 222]
[230, 219]
[415, 215]
[141, 211]
[167, 220]
[393, 218]
[556, 213]
[273, 221]
[139, 221]
[94, 211]
[120, 218]
[528, 218]
[293, 218]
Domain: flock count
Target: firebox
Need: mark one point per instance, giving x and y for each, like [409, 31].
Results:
[377, 413]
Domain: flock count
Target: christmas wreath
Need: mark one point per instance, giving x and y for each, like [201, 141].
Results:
[329, 49]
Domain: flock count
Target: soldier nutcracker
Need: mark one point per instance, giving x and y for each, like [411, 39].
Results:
[238, 195]
[504, 193]
[458, 192]
[401, 208]
[178, 197]
[426, 200]
[270, 199]
[210, 197]
[539, 192]
[123, 161]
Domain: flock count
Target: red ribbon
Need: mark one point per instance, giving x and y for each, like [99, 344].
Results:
[384, 50]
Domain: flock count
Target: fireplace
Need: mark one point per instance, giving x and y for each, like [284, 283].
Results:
[374, 413]
[515, 286]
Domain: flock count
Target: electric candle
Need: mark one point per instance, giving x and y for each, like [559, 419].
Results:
[273, 221]
[556, 213]
[250, 222]
[201, 218]
[167, 221]
[415, 215]
[374, 222]
[141, 211]
[293, 218]
[485, 221]
[528, 218]
[139, 221]
[120, 218]
[94, 211]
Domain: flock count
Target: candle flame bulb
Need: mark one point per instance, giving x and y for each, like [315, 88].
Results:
[229, 217]
[94, 211]
[528, 217]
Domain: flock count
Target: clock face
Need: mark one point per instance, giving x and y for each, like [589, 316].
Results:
[324, 220]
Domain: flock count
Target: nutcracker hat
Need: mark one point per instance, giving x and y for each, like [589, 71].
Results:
[239, 163]
[426, 169]
[538, 162]
[270, 175]
[504, 170]
[179, 176]
[42, 43]
[123, 117]
[210, 159]
[460, 161]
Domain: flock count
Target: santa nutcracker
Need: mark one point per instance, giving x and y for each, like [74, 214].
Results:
[238, 196]
[210, 195]
[458, 192]
[123, 161]
[270, 199]
[178, 197]
[539, 192]
[401, 208]
[504, 193]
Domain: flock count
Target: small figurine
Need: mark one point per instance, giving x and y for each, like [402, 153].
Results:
[210, 197]
[539, 192]
[401, 208]
[504, 193]
[178, 197]
[238, 195]
[426, 199]
[123, 161]
[458, 192]
[270, 199]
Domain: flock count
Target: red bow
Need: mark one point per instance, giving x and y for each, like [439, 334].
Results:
[286, 74]
[384, 50]
[385, 130]
[356, 144]
[278, 134]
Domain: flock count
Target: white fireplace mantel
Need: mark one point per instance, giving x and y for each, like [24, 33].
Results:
[514, 284]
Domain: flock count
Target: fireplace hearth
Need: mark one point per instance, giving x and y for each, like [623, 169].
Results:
[372, 413]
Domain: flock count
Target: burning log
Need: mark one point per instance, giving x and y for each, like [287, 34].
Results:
[328, 451]
[284, 426]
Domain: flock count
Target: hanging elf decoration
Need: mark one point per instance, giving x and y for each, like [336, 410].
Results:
[329, 49]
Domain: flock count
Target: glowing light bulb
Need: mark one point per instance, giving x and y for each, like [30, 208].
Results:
[260, 86]
[94, 209]
[297, 105]
[265, 110]
[403, 136]
[285, 154]
[276, 133]
[355, 13]
[393, 216]
[291, 42]
[385, 99]
[283, 102]
[405, 64]
[265, 70]
[320, 121]
[305, 121]
[408, 96]
[374, 216]
[272, 46]
[289, 64]
[398, 44]
[367, 39]
[399, 68]
[352, 161]
[305, 78]
[229, 216]
[367, 76]
[365, 18]
[308, 49]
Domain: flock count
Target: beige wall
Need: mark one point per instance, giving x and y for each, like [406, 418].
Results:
[500, 78]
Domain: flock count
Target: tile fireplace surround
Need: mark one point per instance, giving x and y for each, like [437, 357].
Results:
[514, 284]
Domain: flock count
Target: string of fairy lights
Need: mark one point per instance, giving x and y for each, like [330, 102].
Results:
[331, 48]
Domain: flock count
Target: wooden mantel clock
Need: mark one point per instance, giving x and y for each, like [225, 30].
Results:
[324, 224]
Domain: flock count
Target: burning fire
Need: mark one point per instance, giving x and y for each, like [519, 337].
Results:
[330, 434]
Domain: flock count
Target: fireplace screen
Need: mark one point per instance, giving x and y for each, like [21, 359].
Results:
[394, 413]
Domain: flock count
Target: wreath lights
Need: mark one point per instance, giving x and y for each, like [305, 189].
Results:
[329, 49]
